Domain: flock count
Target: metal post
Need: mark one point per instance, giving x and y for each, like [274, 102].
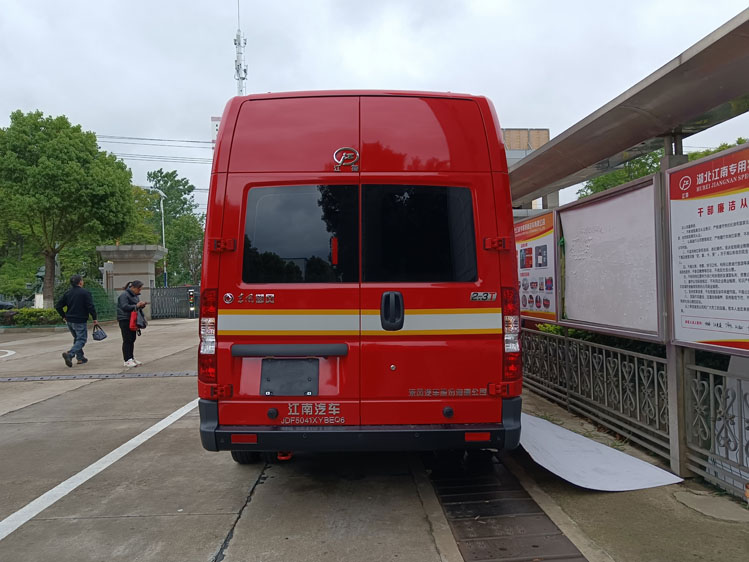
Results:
[162, 196]
[163, 236]
[677, 358]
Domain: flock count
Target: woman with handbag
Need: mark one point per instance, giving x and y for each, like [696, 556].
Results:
[127, 303]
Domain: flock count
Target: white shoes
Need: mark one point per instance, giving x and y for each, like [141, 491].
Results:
[131, 363]
[137, 362]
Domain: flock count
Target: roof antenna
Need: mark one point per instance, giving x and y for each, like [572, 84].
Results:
[240, 68]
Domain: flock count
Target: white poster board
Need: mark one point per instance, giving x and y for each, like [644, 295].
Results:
[709, 224]
[610, 261]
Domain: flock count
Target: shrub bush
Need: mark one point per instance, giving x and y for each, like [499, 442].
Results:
[6, 317]
[36, 317]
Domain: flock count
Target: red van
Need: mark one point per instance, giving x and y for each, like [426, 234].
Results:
[359, 287]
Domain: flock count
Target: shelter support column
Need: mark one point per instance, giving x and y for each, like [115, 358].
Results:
[677, 359]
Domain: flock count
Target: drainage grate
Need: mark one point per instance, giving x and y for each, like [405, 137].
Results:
[130, 375]
[491, 516]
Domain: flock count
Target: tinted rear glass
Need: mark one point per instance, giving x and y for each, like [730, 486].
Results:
[418, 234]
[301, 234]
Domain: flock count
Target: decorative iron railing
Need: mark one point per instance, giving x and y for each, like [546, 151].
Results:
[717, 426]
[624, 391]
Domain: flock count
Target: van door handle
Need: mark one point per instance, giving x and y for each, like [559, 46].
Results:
[392, 312]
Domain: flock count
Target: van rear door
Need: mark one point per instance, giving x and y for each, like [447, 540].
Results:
[431, 318]
[288, 318]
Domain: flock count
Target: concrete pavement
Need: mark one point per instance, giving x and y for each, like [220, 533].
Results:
[687, 521]
[170, 500]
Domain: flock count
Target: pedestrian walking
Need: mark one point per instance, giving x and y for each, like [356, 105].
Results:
[75, 306]
[127, 302]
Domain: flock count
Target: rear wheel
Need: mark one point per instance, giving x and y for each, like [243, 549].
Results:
[245, 457]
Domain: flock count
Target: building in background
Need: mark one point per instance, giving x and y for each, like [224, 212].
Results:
[519, 143]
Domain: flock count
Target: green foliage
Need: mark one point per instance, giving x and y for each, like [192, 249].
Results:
[721, 148]
[642, 166]
[36, 317]
[57, 186]
[145, 225]
[80, 258]
[183, 229]
[571, 332]
[20, 259]
[179, 199]
[639, 167]
[104, 302]
[185, 242]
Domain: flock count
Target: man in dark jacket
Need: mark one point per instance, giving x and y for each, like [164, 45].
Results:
[80, 304]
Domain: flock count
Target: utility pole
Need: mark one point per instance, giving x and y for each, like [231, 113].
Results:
[240, 68]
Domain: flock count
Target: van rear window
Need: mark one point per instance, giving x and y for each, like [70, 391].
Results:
[302, 234]
[418, 234]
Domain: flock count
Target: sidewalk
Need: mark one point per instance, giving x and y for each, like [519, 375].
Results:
[686, 521]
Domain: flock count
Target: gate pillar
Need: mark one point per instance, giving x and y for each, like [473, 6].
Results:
[130, 262]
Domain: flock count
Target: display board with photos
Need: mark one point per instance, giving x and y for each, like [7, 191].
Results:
[534, 241]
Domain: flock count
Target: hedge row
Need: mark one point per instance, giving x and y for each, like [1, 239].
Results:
[30, 317]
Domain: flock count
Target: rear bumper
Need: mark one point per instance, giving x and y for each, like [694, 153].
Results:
[361, 438]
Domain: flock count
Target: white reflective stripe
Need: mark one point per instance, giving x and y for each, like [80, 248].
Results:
[288, 323]
[439, 322]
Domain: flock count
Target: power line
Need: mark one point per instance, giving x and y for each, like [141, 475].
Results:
[152, 139]
[156, 144]
[163, 158]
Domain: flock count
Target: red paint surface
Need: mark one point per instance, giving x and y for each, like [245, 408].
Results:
[403, 138]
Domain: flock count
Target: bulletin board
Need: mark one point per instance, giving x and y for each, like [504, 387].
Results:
[610, 262]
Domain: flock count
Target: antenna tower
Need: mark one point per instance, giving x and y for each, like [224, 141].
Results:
[240, 68]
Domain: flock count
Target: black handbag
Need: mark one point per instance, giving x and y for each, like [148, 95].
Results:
[98, 333]
[140, 320]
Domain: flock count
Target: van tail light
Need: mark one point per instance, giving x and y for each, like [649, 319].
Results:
[512, 367]
[207, 350]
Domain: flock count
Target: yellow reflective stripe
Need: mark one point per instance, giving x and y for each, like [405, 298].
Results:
[294, 311]
[288, 333]
[410, 311]
[466, 332]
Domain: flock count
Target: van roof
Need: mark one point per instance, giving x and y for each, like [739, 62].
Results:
[339, 93]
[263, 142]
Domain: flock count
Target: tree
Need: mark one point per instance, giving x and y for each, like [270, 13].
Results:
[57, 186]
[179, 199]
[184, 230]
[721, 148]
[185, 239]
[639, 167]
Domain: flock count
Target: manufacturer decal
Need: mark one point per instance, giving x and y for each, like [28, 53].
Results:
[251, 298]
[313, 413]
[346, 156]
[432, 392]
[483, 297]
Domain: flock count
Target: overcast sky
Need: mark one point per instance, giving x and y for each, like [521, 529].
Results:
[161, 68]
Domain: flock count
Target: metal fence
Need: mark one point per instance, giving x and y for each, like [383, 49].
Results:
[624, 391]
[174, 302]
[627, 392]
[717, 427]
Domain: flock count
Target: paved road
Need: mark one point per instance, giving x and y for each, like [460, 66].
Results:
[168, 499]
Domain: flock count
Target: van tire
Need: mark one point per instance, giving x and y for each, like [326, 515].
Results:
[245, 457]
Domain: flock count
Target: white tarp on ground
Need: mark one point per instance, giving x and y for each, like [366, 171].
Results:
[585, 462]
